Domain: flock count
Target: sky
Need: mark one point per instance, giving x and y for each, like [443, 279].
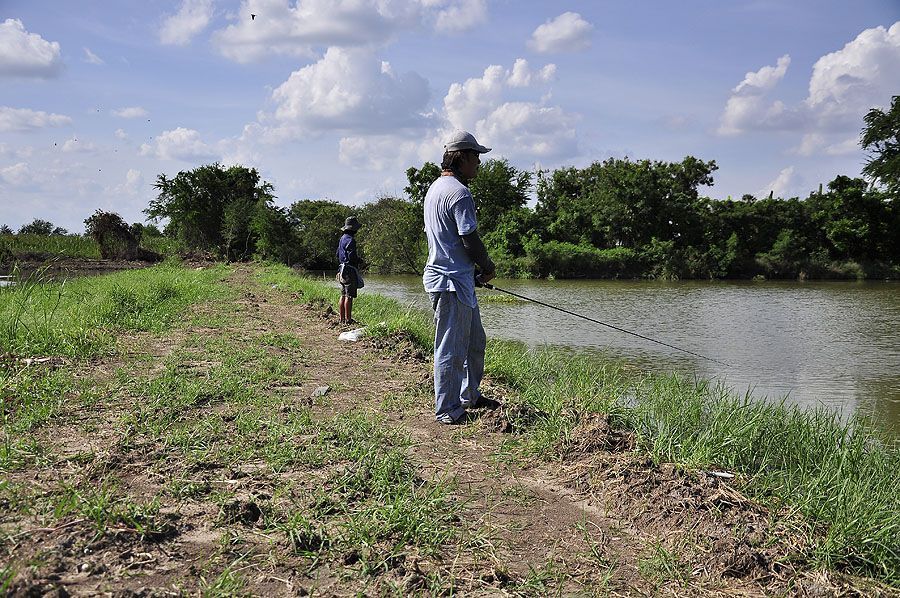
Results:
[335, 99]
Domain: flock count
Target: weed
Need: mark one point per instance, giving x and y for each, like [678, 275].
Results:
[660, 565]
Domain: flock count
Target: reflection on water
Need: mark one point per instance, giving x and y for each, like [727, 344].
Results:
[821, 343]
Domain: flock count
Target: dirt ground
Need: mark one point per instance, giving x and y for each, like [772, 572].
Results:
[597, 519]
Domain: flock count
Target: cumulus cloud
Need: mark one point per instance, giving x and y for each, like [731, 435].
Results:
[73, 145]
[568, 32]
[350, 90]
[24, 54]
[532, 129]
[523, 76]
[17, 175]
[92, 58]
[544, 132]
[460, 16]
[132, 185]
[130, 112]
[23, 119]
[295, 29]
[179, 144]
[377, 152]
[781, 186]
[843, 86]
[121, 134]
[748, 107]
[191, 19]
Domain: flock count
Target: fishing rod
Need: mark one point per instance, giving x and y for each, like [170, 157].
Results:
[572, 313]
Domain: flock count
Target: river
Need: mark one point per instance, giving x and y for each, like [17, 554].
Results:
[835, 344]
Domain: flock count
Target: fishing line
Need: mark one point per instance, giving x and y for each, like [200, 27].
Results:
[572, 313]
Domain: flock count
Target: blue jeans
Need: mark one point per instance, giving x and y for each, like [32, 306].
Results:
[459, 343]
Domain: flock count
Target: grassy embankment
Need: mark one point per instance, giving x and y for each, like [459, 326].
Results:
[836, 480]
[360, 496]
[834, 475]
[13, 247]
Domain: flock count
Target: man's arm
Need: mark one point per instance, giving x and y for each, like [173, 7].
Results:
[476, 250]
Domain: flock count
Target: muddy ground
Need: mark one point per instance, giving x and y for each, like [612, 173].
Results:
[594, 519]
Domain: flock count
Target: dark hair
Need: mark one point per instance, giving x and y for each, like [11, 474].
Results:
[453, 160]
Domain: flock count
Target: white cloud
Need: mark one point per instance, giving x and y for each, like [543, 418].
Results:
[130, 112]
[297, 28]
[748, 107]
[528, 129]
[461, 15]
[566, 33]
[531, 130]
[466, 103]
[121, 134]
[843, 86]
[26, 54]
[23, 119]
[73, 145]
[781, 186]
[350, 90]
[192, 18]
[179, 144]
[378, 152]
[92, 58]
[17, 175]
[523, 76]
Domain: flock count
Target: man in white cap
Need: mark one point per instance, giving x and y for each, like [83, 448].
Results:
[454, 250]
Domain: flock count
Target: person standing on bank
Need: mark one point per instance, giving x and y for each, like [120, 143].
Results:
[348, 269]
[454, 250]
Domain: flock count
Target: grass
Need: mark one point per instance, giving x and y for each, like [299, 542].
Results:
[368, 308]
[834, 473]
[77, 317]
[73, 246]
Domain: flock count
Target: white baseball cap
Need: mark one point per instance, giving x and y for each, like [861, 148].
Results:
[463, 140]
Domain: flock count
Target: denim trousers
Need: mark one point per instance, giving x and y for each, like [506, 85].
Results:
[459, 343]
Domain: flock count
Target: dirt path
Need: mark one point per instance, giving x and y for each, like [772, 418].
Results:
[185, 462]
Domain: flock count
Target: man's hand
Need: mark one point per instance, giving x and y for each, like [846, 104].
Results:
[486, 277]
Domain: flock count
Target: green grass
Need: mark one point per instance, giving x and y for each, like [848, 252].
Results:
[74, 246]
[836, 474]
[78, 317]
[368, 308]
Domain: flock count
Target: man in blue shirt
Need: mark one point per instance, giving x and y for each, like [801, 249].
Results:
[454, 249]
[348, 269]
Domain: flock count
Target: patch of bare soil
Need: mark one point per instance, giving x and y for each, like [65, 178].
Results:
[594, 519]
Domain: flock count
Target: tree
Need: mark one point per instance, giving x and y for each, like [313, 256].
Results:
[276, 234]
[115, 238]
[210, 207]
[5, 230]
[420, 180]
[499, 188]
[392, 236]
[881, 138]
[318, 227]
[41, 227]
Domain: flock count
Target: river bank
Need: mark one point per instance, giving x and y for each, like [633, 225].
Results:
[204, 431]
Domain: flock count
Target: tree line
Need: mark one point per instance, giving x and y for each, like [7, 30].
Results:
[619, 218]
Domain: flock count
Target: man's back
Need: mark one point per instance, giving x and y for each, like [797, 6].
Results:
[449, 212]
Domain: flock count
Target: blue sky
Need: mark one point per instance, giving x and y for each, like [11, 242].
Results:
[335, 99]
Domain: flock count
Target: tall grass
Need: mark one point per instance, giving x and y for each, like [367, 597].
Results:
[76, 317]
[74, 246]
[58, 245]
[371, 309]
[834, 472]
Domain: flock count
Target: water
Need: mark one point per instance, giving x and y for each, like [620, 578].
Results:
[835, 344]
